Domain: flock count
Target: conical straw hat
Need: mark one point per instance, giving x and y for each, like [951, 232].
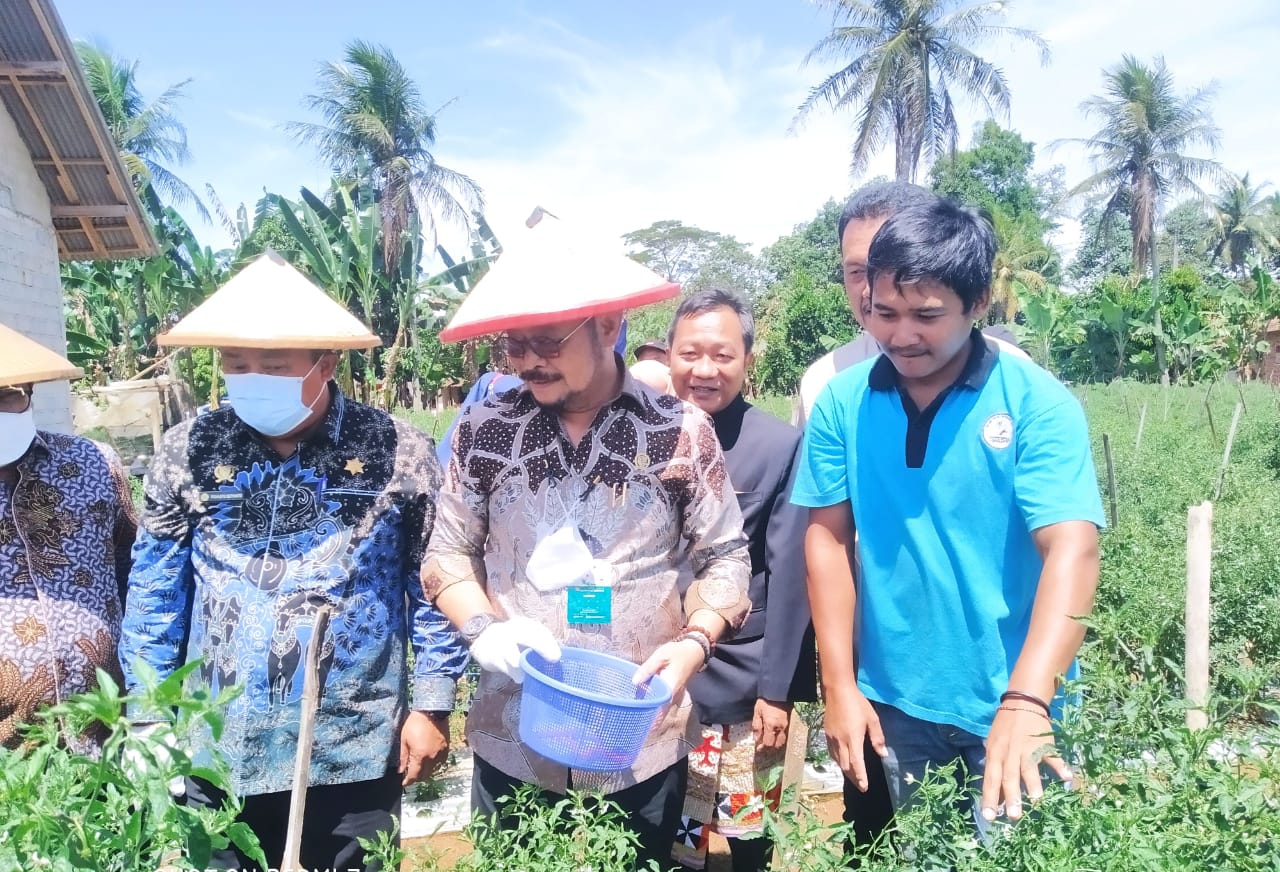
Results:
[269, 304]
[25, 361]
[548, 273]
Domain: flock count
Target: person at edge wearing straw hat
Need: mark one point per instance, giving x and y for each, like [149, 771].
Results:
[66, 524]
[743, 699]
[582, 473]
[258, 514]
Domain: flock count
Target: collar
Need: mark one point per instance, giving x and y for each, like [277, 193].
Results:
[728, 421]
[977, 369]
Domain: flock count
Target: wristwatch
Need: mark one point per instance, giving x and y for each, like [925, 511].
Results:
[475, 625]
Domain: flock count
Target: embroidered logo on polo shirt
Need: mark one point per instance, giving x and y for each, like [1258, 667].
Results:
[997, 432]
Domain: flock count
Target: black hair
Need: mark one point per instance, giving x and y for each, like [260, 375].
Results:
[706, 301]
[950, 244]
[881, 200]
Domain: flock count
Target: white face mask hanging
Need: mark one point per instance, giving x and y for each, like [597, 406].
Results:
[17, 432]
[559, 560]
[270, 404]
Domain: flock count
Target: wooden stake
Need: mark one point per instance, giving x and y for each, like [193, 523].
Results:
[1167, 394]
[1111, 478]
[1226, 454]
[292, 861]
[1199, 564]
[1142, 422]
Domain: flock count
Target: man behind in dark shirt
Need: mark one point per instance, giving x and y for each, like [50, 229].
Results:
[743, 698]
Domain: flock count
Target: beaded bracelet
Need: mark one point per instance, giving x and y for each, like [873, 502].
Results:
[1026, 697]
[701, 639]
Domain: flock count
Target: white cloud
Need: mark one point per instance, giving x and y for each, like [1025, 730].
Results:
[686, 133]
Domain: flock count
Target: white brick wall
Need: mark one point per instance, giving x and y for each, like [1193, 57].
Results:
[30, 288]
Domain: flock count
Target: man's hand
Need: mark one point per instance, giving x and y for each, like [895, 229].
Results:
[499, 645]
[769, 724]
[675, 663]
[1020, 739]
[424, 746]
[849, 719]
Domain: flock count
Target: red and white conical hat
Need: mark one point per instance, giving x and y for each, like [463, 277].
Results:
[548, 273]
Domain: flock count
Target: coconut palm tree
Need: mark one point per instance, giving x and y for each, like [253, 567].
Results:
[376, 123]
[902, 60]
[1139, 155]
[1242, 222]
[1023, 265]
[148, 134]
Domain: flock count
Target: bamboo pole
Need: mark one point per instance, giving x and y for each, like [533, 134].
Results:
[1199, 564]
[292, 861]
[1226, 454]
[1111, 478]
[1142, 422]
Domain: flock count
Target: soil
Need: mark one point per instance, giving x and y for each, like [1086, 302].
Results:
[442, 851]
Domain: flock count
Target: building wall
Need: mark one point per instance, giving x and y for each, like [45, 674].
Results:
[1271, 360]
[30, 287]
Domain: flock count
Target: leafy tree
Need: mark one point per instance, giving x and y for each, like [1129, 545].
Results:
[1023, 264]
[1105, 249]
[149, 135]
[813, 248]
[1185, 239]
[995, 173]
[902, 58]
[1242, 223]
[375, 123]
[673, 249]
[812, 319]
[1139, 152]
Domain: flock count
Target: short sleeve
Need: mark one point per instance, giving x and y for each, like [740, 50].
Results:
[822, 478]
[1054, 479]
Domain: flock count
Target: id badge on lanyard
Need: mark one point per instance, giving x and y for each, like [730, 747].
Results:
[590, 597]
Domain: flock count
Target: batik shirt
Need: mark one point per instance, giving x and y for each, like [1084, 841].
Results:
[239, 549]
[646, 488]
[66, 525]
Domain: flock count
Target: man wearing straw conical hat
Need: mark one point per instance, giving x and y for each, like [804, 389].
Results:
[582, 478]
[66, 524]
[290, 498]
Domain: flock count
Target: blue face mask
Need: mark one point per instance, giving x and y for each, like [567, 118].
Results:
[270, 404]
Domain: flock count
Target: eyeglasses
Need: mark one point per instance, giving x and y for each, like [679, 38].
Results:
[539, 345]
[14, 400]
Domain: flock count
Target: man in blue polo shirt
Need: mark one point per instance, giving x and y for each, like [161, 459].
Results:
[968, 474]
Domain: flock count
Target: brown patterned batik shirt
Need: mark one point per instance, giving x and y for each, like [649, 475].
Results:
[646, 488]
[66, 526]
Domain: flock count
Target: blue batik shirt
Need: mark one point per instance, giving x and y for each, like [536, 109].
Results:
[238, 550]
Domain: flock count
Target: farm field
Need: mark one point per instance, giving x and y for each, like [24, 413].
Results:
[1179, 798]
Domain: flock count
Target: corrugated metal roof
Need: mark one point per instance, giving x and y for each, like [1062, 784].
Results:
[44, 90]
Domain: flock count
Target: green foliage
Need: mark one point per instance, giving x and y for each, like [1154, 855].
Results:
[1148, 795]
[113, 812]
[812, 249]
[812, 320]
[576, 833]
[1140, 598]
[697, 259]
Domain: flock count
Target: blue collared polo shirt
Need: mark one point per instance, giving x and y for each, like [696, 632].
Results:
[945, 500]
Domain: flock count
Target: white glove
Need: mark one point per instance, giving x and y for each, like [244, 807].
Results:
[499, 645]
[162, 746]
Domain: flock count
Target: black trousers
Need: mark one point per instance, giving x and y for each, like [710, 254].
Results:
[336, 816]
[870, 812]
[652, 807]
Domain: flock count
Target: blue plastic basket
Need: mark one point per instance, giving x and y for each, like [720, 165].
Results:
[583, 712]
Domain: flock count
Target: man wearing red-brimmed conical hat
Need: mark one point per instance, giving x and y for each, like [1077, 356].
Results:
[289, 498]
[583, 509]
[66, 526]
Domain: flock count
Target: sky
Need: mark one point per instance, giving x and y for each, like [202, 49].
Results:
[616, 115]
